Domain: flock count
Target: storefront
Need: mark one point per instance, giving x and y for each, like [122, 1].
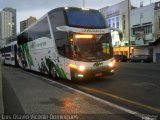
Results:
[156, 50]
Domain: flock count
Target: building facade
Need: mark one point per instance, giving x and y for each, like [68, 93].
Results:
[14, 20]
[5, 24]
[142, 24]
[157, 20]
[156, 43]
[145, 30]
[118, 16]
[26, 23]
[140, 27]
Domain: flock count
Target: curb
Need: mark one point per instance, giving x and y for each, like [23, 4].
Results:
[1, 93]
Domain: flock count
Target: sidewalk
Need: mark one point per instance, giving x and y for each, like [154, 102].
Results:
[1, 96]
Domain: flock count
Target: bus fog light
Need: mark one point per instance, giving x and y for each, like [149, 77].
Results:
[79, 75]
[112, 71]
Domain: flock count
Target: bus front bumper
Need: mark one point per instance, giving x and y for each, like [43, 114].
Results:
[91, 73]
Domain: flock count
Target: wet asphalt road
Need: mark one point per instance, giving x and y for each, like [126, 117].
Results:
[135, 86]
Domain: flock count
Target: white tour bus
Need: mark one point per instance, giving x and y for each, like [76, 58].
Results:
[70, 43]
[9, 53]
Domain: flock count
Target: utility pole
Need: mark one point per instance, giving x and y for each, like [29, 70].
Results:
[129, 28]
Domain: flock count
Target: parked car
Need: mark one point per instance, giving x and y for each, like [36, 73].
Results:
[141, 58]
[120, 58]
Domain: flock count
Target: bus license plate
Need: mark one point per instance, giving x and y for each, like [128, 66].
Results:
[98, 74]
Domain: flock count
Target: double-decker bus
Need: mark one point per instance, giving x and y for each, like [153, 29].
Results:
[9, 54]
[70, 43]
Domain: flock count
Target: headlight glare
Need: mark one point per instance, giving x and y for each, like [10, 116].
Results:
[111, 64]
[81, 68]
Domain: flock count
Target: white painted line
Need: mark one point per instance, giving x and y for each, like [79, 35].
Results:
[137, 114]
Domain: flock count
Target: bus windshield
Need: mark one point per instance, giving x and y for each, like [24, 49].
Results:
[92, 49]
[85, 19]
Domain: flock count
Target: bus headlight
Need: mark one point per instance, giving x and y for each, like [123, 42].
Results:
[114, 61]
[111, 64]
[81, 68]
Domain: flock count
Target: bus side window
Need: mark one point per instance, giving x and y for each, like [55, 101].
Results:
[62, 43]
[67, 51]
[61, 50]
[64, 50]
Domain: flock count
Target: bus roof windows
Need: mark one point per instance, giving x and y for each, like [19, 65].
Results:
[57, 18]
[38, 30]
[76, 17]
[85, 18]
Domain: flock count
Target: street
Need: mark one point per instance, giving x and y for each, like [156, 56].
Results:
[133, 91]
[134, 85]
[80, 60]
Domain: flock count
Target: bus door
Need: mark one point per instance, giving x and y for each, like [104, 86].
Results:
[12, 57]
[15, 55]
[60, 63]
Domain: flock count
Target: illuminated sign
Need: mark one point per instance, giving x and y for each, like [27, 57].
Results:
[36, 45]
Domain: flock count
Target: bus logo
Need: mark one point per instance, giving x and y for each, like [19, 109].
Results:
[97, 64]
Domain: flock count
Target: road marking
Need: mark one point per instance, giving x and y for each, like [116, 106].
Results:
[135, 113]
[123, 99]
[139, 75]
